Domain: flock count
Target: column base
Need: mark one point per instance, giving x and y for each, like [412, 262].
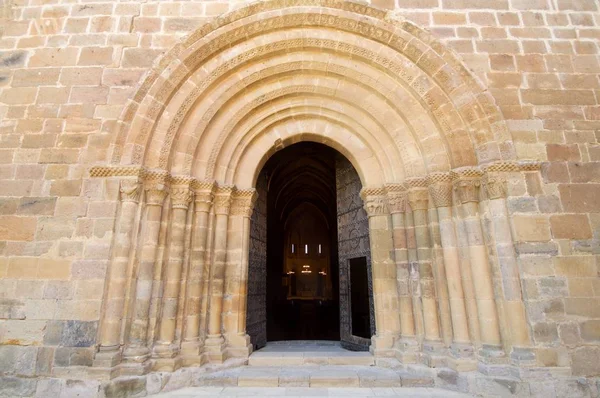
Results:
[523, 356]
[382, 346]
[434, 354]
[492, 355]
[214, 348]
[135, 368]
[191, 353]
[136, 354]
[462, 357]
[407, 349]
[238, 346]
[107, 357]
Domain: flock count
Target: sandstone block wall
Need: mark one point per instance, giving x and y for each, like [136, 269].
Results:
[68, 68]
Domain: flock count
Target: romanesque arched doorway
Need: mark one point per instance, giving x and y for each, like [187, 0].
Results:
[399, 106]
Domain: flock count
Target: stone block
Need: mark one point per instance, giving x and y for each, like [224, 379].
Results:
[17, 387]
[44, 360]
[586, 361]
[576, 266]
[49, 388]
[79, 334]
[125, 387]
[590, 330]
[580, 198]
[545, 332]
[570, 226]
[80, 388]
[36, 206]
[531, 228]
[17, 360]
[17, 228]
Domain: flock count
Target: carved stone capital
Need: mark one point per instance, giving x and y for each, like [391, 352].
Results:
[222, 201]
[156, 194]
[131, 190]
[466, 184]
[181, 196]
[418, 198]
[440, 189]
[495, 185]
[243, 202]
[203, 195]
[396, 198]
[375, 201]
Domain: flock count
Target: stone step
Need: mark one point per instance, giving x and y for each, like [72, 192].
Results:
[313, 376]
[311, 358]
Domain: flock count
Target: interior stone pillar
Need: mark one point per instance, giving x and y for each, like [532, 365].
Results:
[385, 293]
[440, 188]
[215, 342]
[236, 288]
[165, 347]
[191, 344]
[518, 342]
[467, 183]
[109, 353]
[137, 349]
[418, 198]
[407, 344]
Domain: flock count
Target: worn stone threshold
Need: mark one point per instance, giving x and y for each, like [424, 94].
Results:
[308, 353]
[313, 376]
[289, 392]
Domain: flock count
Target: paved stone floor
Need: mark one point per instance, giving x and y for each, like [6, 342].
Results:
[288, 392]
[308, 352]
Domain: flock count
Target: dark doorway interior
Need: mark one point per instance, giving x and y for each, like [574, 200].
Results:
[302, 260]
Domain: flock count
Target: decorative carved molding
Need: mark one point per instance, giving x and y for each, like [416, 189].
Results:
[467, 182]
[495, 185]
[396, 198]
[440, 188]
[130, 190]
[418, 198]
[416, 182]
[222, 201]
[374, 201]
[243, 202]
[118, 171]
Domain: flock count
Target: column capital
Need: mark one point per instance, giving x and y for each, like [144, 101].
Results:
[204, 194]
[396, 198]
[418, 198]
[466, 183]
[243, 202]
[495, 185]
[130, 190]
[222, 201]
[181, 193]
[440, 188]
[375, 203]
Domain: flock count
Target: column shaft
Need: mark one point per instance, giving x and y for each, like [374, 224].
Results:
[137, 348]
[111, 324]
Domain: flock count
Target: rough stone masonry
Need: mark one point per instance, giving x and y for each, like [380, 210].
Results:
[132, 132]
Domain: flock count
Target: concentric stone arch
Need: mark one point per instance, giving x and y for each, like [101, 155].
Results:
[209, 88]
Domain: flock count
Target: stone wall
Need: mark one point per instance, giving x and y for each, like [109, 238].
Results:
[68, 69]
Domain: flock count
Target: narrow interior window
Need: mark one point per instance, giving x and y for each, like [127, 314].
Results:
[293, 249]
[319, 248]
[305, 249]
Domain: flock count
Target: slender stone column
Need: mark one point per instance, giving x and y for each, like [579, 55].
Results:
[414, 277]
[236, 290]
[137, 346]
[407, 345]
[215, 343]
[165, 346]
[385, 291]
[110, 327]
[440, 188]
[517, 332]
[203, 198]
[418, 197]
[467, 183]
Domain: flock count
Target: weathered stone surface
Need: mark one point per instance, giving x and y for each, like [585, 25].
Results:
[16, 386]
[586, 361]
[127, 387]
